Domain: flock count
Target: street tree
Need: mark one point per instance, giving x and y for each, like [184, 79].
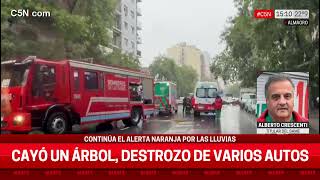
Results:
[166, 69]
[76, 29]
[254, 45]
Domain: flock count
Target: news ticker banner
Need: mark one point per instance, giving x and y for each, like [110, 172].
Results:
[159, 151]
[290, 17]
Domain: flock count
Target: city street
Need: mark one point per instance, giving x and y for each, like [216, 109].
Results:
[232, 121]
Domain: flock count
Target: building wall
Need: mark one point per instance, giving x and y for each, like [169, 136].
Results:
[128, 21]
[206, 67]
[184, 54]
[175, 54]
[193, 59]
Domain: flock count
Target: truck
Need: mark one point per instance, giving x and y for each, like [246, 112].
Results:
[204, 97]
[165, 96]
[52, 96]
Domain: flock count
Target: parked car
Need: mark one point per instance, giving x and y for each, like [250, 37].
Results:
[246, 97]
[250, 106]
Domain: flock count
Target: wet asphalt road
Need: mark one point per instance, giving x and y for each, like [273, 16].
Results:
[232, 121]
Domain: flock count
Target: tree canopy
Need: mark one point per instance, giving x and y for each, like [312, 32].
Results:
[76, 29]
[185, 77]
[254, 45]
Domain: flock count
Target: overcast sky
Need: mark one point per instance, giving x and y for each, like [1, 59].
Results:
[168, 22]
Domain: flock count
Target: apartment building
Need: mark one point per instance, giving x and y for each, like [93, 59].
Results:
[189, 55]
[127, 27]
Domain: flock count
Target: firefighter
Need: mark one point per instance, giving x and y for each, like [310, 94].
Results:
[46, 82]
[218, 106]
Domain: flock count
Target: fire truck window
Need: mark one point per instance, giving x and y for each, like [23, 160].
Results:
[44, 81]
[91, 80]
[76, 80]
[136, 92]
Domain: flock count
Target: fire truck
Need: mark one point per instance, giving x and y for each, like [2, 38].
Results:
[55, 95]
[165, 96]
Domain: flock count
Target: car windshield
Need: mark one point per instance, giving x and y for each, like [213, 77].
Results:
[13, 75]
[206, 92]
[212, 92]
[249, 96]
[252, 96]
[200, 93]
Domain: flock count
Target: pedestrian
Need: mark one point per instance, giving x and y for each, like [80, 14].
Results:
[184, 104]
[218, 106]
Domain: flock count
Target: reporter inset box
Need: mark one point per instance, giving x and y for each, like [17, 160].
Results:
[300, 94]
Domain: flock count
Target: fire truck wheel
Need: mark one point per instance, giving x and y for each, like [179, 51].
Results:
[135, 116]
[57, 123]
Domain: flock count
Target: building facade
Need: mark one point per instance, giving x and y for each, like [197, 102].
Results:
[189, 55]
[205, 68]
[127, 27]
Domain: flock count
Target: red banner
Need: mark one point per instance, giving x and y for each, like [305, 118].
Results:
[159, 152]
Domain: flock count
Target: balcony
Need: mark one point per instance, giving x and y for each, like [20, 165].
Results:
[116, 41]
[138, 53]
[139, 41]
[139, 12]
[117, 25]
[139, 26]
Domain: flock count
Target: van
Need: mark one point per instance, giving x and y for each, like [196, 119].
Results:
[204, 96]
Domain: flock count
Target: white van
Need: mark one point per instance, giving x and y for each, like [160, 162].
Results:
[204, 96]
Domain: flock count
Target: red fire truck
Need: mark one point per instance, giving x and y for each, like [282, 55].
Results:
[55, 95]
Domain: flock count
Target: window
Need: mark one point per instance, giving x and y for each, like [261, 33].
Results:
[212, 92]
[44, 82]
[132, 45]
[132, 14]
[125, 9]
[126, 41]
[91, 80]
[76, 80]
[126, 25]
[200, 93]
[132, 29]
[136, 92]
[14, 75]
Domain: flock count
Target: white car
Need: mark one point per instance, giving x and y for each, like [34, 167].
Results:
[246, 97]
[180, 100]
[250, 106]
